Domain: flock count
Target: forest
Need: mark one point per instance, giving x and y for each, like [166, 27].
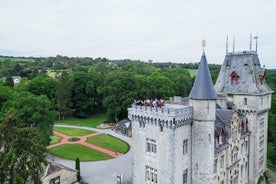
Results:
[56, 87]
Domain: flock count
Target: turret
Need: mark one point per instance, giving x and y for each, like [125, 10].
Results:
[203, 99]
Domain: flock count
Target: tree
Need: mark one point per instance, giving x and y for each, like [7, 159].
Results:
[22, 154]
[77, 167]
[119, 91]
[9, 81]
[83, 93]
[33, 111]
[161, 87]
[182, 81]
[42, 85]
[5, 94]
[63, 94]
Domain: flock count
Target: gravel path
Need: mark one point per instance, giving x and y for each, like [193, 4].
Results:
[102, 172]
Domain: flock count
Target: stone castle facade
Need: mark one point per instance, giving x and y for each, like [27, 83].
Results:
[217, 135]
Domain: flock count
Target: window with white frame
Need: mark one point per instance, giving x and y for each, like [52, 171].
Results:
[151, 145]
[234, 155]
[185, 146]
[185, 176]
[151, 175]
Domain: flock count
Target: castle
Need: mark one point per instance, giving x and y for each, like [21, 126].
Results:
[217, 135]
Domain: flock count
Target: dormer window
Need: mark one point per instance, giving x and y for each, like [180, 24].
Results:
[234, 78]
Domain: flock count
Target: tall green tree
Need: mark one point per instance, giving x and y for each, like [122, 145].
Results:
[182, 81]
[161, 86]
[5, 94]
[9, 81]
[33, 111]
[83, 93]
[119, 91]
[43, 85]
[22, 151]
[63, 94]
[77, 167]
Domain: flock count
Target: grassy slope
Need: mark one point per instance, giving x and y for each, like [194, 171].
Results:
[16, 59]
[73, 131]
[92, 121]
[78, 151]
[109, 142]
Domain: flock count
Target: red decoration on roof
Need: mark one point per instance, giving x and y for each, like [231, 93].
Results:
[234, 78]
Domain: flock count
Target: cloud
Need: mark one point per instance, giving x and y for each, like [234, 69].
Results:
[138, 29]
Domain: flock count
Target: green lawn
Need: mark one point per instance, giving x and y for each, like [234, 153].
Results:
[55, 139]
[16, 59]
[92, 121]
[78, 151]
[73, 131]
[109, 142]
[192, 72]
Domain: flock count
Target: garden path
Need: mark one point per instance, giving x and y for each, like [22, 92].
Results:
[104, 171]
[83, 141]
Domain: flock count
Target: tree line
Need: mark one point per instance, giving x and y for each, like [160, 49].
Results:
[81, 87]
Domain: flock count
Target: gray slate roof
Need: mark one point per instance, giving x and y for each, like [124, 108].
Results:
[247, 66]
[203, 86]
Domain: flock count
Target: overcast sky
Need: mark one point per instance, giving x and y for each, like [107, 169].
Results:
[158, 30]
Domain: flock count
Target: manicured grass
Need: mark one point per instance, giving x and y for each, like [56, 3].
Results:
[55, 139]
[74, 151]
[92, 121]
[192, 72]
[73, 131]
[109, 142]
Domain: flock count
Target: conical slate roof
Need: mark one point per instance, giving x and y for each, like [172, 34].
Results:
[203, 86]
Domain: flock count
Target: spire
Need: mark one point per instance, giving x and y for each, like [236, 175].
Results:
[203, 86]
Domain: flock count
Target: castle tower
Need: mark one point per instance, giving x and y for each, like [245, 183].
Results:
[242, 81]
[203, 99]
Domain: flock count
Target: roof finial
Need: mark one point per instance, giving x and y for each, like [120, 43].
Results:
[250, 42]
[227, 44]
[256, 38]
[203, 44]
[234, 45]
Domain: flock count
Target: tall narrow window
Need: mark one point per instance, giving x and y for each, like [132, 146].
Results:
[222, 161]
[216, 166]
[185, 177]
[245, 101]
[185, 146]
[151, 175]
[151, 145]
